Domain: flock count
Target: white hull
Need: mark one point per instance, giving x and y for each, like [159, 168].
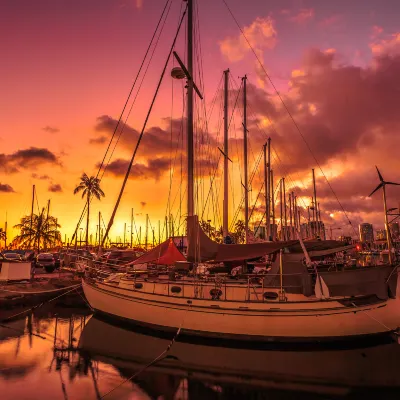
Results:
[298, 320]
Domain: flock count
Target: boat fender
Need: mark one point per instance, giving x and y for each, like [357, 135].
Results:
[176, 289]
[270, 295]
[215, 294]
[138, 285]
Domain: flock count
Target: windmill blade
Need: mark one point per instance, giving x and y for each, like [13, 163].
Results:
[392, 183]
[379, 174]
[377, 188]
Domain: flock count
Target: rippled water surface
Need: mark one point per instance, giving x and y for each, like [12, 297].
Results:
[68, 354]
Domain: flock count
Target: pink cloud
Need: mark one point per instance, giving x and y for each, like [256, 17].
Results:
[376, 31]
[388, 46]
[303, 16]
[331, 21]
[261, 34]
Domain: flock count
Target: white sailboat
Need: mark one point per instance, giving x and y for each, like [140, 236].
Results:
[294, 301]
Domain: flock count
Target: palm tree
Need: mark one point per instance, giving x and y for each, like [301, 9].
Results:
[89, 186]
[38, 230]
[3, 236]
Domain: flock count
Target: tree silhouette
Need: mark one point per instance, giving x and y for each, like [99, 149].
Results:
[38, 231]
[89, 187]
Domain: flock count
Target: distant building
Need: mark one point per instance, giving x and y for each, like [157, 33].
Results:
[260, 231]
[366, 233]
[346, 239]
[316, 229]
[381, 234]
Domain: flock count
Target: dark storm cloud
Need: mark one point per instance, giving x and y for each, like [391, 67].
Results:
[338, 108]
[27, 158]
[41, 177]
[5, 188]
[55, 188]
[155, 168]
[51, 129]
[156, 140]
[98, 140]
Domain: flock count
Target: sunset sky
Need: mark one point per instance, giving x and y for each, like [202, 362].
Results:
[67, 68]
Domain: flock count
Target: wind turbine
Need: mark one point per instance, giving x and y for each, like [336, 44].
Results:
[382, 185]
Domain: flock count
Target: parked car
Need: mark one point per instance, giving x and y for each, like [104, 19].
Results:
[46, 260]
[57, 260]
[12, 257]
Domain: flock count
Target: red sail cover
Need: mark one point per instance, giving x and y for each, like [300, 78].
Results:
[165, 253]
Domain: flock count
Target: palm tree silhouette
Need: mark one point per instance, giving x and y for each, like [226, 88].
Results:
[89, 187]
[38, 230]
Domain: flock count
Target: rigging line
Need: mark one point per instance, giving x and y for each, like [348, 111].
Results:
[290, 115]
[143, 129]
[134, 83]
[275, 131]
[219, 157]
[250, 182]
[169, 206]
[170, 158]
[281, 165]
[123, 110]
[138, 91]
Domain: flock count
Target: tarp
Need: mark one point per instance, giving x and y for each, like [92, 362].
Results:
[317, 245]
[165, 253]
[365, 281]
[200, 247]
[320, 253]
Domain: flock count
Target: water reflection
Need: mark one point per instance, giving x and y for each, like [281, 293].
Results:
[45, 355]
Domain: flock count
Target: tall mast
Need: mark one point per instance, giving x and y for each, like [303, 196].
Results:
[285, 206]
[246, 189]
[268, 190]
[33, 201]
[147, 230]
[99, 230]
[131, 227]
[281, 207]
[5, 232]
[189, 115]
[226, 155]
[315, 204]
[273, 234]
[290, 216]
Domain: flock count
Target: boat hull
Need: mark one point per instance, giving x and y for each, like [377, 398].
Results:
[269, 321]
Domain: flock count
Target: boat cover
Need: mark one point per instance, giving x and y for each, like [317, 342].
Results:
[380, 281]
[165, 253]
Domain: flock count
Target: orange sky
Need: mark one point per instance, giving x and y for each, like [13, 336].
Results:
[65, 66]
